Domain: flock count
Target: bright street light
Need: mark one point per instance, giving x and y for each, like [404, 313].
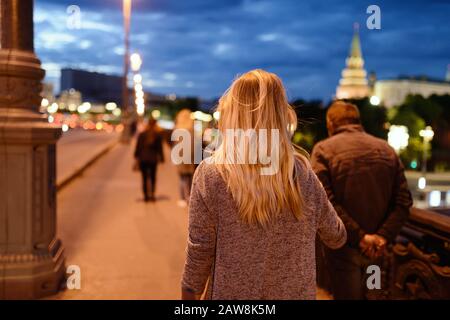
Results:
[136, 62]
[45, 103]
[427, 134]
[374, 100]
[156, 114]
[398, 137]
[110, 106]
[137, 78]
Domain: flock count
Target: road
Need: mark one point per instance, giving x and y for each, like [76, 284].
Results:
[78, 147]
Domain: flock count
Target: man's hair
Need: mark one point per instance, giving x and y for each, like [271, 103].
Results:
[341, 113]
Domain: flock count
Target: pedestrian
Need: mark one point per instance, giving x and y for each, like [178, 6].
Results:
[364, 179]
[148, 154]
[252, 234]
[184, 121]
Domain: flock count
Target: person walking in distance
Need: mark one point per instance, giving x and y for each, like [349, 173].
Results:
[148, 154]
[364, 180]
[184, 121]
[252, 232]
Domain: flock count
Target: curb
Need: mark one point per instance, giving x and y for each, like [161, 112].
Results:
[76, 173]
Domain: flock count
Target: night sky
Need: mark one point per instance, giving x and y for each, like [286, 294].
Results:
[197, 47]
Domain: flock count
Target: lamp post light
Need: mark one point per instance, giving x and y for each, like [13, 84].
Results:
[398, 137]
[126, 133]
[375, 101]
[136, 63]
[427, 134]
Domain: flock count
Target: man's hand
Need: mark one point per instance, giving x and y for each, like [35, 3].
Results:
[373, 245]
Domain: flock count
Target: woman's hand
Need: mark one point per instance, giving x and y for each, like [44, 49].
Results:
[189, 295]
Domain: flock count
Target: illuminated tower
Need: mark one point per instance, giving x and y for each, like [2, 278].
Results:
[353, 83]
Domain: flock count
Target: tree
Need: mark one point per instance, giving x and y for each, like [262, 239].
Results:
[426, 108]
[407, 117]
[312, 124]
[373, 118]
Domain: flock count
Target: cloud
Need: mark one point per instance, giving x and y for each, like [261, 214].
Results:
[197, 47]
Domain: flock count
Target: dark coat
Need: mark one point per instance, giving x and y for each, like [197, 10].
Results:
[149, 152]
[364, 179]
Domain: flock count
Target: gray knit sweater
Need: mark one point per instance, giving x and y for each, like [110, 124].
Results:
[239, 261]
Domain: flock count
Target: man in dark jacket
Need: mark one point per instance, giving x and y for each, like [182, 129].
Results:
[364, 179]
[148, 153]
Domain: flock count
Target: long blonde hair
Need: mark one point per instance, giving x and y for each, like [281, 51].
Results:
[257, 100]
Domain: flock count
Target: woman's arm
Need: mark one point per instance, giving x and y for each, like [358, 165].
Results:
[330, 227]
[201, 240]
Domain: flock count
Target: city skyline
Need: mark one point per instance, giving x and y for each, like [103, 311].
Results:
[196, 49]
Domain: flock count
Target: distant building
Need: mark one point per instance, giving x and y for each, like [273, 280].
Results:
[353, 83]
[394, 92]
[102, 88]
[94, 86]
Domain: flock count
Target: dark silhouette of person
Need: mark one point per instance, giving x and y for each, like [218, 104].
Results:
[148, 154]
[365, 181]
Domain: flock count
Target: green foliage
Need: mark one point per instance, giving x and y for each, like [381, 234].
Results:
[416, 113]
[426, 108]
[373, 118]
[312, 123]
[407, 117]
[414, 152]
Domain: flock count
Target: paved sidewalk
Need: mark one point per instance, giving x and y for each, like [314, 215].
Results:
[126, 248]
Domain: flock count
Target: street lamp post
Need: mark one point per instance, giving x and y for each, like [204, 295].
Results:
[126, 134]
[136, 63]
[32, 261]
[398, 137]
[427, 134]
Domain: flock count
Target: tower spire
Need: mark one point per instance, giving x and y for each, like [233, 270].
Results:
[353, 83]
[355, 49]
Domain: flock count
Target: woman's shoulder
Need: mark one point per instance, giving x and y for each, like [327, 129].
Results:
[302, 166]
[208, 182]
[305, 174]
[207, 170]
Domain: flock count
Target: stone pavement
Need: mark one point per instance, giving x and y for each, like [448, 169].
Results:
[126, 248]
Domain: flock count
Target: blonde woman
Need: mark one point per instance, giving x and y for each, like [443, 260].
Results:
[252, 235]
[184, 121]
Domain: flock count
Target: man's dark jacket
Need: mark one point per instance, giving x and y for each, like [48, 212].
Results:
[149, 151]
[365, 181]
